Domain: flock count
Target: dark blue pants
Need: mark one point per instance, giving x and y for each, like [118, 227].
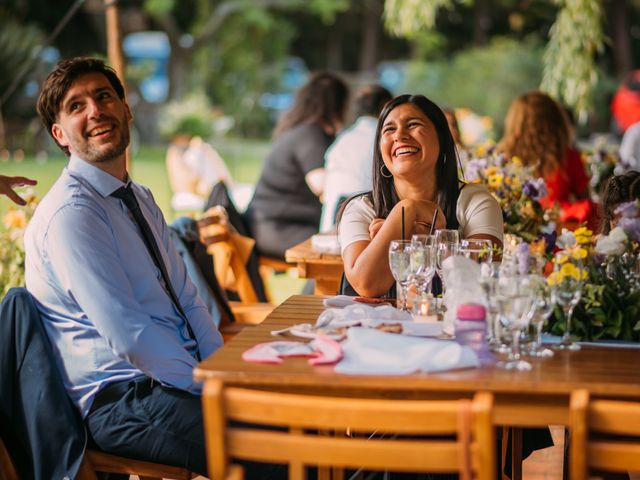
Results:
[160, 424]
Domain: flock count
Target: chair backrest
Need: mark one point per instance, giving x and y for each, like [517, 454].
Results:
[605, 435]
[410, 435]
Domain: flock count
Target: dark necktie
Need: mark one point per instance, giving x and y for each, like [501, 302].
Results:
[127, 196]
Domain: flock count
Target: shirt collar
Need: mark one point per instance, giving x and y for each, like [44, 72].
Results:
[102, 181]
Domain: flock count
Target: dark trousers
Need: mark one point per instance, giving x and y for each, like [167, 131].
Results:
[160, 424]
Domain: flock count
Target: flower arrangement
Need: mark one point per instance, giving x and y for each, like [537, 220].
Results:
[14, 223]
[602, 165]
[517, 190]
[609, 307]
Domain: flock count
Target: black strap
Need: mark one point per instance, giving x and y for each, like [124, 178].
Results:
[128, 197]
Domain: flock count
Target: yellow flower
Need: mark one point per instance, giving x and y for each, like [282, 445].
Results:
[553, 279]
[516, 160]
[579, 253]
[492, 170]
[570, 270]
[560, 259]
[15, 219]
[538, 247]
[495, 181]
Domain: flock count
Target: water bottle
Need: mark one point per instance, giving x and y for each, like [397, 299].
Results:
[471, 330]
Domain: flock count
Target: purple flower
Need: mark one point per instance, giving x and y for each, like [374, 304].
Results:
[535, 189]
[631, 227]
[474, 167]
[550, 240]
[628, 210]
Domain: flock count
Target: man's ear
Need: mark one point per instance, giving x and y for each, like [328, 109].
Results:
[128, 110]
[59, 135]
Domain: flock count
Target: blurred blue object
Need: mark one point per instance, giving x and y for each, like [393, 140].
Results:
[391, 75]
[294, 75]
[151, 49]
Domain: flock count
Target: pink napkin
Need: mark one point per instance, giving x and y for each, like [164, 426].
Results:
[321, 351]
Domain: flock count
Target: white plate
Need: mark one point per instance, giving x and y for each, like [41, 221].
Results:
[306, 330]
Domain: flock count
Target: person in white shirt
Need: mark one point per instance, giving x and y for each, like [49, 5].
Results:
[349, 160]
[630, 147]
[415, 179]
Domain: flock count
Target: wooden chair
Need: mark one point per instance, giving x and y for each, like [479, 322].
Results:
[605, 435]
[464, 439]
[97, 462]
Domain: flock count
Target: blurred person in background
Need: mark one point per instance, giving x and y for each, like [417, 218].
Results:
[349, 160]
[619, 189]
[630, 147]
[537, 131]
[285, 208]
[7, 185]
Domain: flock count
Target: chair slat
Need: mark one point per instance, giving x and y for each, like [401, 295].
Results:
[400, 455]
[614, 456]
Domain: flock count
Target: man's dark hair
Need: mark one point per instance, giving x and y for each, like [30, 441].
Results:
[619, 189]
[370, 100]
[59, 81]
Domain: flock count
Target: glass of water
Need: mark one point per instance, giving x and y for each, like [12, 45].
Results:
[400, 265]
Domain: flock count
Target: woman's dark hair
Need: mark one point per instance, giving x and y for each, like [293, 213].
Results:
[619, 189]
[322, 100]
[384, 197]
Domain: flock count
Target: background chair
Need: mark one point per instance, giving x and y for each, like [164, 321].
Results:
[605, 435]
[237, 420]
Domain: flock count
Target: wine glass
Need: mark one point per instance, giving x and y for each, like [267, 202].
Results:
[479, 250]
[514, 297]
[566, 291]
[400, 265]
[447, 242]
[542, 309]
[423, 261]
[489, 275]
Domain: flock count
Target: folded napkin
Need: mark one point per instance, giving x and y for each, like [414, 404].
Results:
[339, 301]
[356, 313]
[322, 351]
[372, 352]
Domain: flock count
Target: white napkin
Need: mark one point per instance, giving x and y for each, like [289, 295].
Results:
[355, 314]
[339, 301]
[462, 280]
[372, 352]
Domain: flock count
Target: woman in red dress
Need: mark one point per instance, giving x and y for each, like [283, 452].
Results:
[537, 130]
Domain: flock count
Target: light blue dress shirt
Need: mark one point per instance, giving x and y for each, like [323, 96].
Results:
[100, 294]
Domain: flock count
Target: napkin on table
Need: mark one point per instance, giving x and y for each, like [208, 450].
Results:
[372, 352]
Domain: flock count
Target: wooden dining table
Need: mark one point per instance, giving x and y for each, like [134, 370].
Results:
[325, 268]
[536, 398]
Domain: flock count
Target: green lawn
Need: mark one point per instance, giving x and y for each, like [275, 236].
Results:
[243, 157]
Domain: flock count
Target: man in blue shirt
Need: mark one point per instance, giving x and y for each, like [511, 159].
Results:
[125, 321]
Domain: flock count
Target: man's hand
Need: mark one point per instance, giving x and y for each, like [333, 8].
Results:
[8, 183]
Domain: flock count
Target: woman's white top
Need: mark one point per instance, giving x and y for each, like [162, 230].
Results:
[477, 213]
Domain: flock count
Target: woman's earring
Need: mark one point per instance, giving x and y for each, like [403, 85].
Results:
[383, 169]
[444, 158]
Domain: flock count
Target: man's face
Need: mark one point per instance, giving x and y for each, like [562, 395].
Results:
[92, 121]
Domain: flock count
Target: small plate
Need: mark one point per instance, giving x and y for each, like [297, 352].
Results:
[305, 330]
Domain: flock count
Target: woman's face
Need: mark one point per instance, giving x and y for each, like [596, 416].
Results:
[409, 142]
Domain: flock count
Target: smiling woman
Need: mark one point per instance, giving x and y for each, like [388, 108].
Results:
[415, 180]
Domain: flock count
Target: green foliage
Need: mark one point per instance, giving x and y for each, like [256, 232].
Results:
[484, 79]
[407, 18]
[570, 72]
[191, 116]
[159, 8]
[17, 43]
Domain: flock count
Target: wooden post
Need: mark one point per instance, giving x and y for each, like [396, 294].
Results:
[114, 48]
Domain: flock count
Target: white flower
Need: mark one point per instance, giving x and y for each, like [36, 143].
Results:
[566, 240]
[612, 244]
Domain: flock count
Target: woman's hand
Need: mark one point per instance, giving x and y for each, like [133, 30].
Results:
[375, 226]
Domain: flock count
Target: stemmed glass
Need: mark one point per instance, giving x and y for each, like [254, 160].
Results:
[447, 242]
[400, 265]
[423, 261]
[566, 291]
[515, 298]
[542, 309]
[477, 249]
[489, 275]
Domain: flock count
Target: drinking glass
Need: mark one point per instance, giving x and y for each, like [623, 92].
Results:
[400, 265]
[478, 250]
[514, 297]
[489, 274]
[423, 261]
[542, 309]
[447, 242]
[566, 291]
